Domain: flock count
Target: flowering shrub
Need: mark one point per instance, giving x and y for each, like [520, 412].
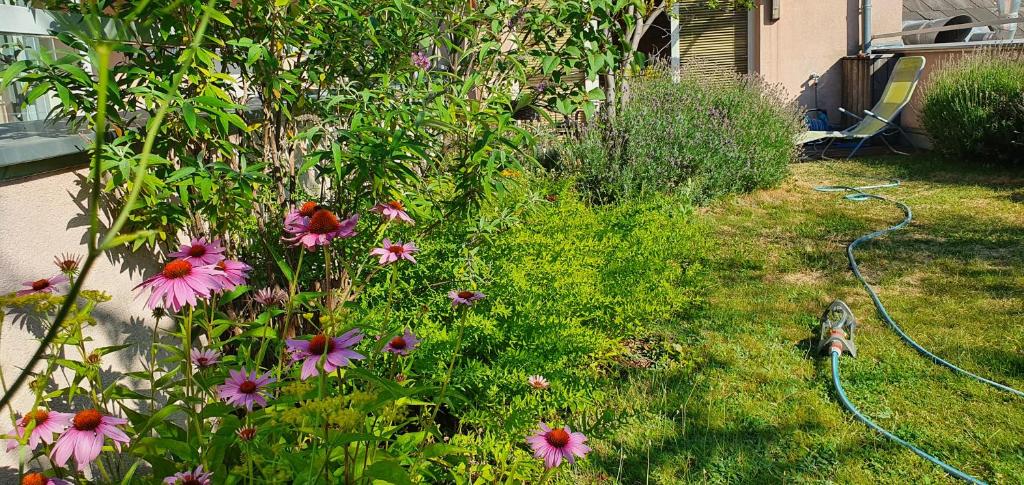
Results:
[298, 339]
[695, 137]
[287, 387]
[974, 107]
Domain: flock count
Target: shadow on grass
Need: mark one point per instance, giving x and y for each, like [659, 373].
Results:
[711, 440]
[937, 171]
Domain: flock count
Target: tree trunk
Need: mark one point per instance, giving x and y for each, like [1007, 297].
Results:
[610, 95]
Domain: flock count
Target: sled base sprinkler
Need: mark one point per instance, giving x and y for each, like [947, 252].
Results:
[838, 326]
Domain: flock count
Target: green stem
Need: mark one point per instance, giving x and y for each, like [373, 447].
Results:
[327, 286]
[186, 346]
[292, 285]
[451, 368]
[545, 476]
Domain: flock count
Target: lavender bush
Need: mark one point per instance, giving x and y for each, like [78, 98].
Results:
[699, 137]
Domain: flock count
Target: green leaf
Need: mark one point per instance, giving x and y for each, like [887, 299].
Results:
[261, 332]
[127, 238]
[112, 348]
[131, 473]
[549, 64]
[282, 264]
[435, 450]
[12, 72]
[390, 471]
[216, 15]
[189, 113]
[158, 446]
[233, 294]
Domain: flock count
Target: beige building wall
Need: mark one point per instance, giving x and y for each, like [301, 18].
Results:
[809, 38]
[41, 217]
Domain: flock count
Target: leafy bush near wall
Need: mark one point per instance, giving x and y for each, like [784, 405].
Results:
[974, 107]
[699, 137]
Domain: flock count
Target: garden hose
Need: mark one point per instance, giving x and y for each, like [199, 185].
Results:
[838, 329]
[859, 194]
[837, 334]
[882, 431]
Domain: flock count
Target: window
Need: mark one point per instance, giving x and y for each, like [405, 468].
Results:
[25, 134]
[19, 47]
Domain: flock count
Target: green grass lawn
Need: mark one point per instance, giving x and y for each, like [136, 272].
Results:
[752, 403]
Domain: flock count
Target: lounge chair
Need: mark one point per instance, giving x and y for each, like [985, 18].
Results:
[881, 118]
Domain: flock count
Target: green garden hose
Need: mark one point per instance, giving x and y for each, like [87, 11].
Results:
[836, 350]
[859, 195]
[882, 431]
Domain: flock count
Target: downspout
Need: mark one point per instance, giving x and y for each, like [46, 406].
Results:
[866, 27]
[1012, 12]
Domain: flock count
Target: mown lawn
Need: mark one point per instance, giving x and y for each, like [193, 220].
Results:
[753, 404]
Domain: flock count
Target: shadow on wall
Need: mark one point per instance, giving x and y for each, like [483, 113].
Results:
[123, 320]
[827, 92]
[135, 264]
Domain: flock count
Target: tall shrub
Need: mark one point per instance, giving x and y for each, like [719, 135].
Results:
[701, 137]
[973, 107]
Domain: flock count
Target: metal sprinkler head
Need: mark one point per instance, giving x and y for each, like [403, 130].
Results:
[838, 326]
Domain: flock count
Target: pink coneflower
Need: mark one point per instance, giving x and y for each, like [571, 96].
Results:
[37, 478]
[195, 477]
[465, 297]
[68, 263]
[338, 349]
[199, 252]
[553, 444]
[180, 283]
[393, 210]
[420, 60]
[85, 437]
[242, 388]
[390, 252]
[246, 433]
[45, 285]
[295, 219]
[318, 228]
[538, 382]
[270, 296]
[47, 423]
[402, 344]
[231, 273]
[204, 358]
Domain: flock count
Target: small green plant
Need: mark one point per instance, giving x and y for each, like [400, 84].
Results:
[703, 139]
[974, 107]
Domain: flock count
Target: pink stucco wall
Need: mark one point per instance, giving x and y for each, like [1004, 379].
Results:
[810, 37]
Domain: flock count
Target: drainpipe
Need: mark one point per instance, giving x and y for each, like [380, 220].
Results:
[866, 27]
[1011, 13]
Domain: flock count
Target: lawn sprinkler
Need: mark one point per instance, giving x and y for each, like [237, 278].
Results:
[838, 326]
[837, 330]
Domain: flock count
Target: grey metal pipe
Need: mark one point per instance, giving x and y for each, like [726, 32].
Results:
[866, 27]
[1014, 13]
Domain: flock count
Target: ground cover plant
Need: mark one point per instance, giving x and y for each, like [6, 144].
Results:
[753, 404]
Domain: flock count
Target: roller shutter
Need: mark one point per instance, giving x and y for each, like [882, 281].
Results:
[713, 41]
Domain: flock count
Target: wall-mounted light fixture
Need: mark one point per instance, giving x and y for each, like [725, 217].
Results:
[776, 6]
